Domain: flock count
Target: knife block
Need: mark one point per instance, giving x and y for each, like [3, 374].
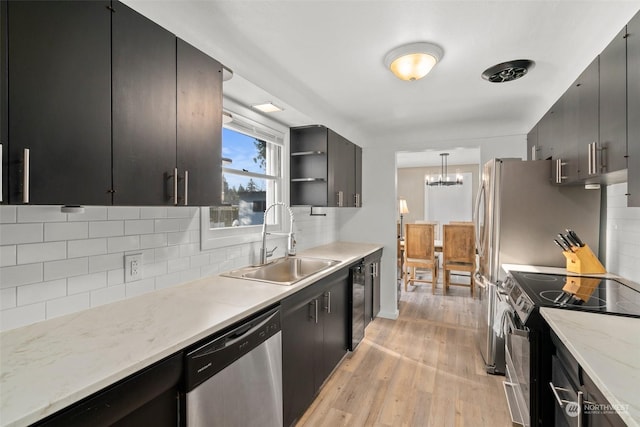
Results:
[583, 261]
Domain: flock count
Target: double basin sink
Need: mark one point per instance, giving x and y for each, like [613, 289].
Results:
[283, 271]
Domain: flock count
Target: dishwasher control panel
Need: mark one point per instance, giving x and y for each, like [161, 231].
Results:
[213, 354]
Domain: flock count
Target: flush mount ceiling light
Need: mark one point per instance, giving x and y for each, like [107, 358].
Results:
[267, 107]
[413, 61]
[508, 71]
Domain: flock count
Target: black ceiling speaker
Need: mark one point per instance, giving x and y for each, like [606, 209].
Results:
[508, 71]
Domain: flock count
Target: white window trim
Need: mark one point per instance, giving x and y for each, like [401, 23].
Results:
[271, 132]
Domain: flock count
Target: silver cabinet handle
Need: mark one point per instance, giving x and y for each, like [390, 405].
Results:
[590, 159]
[559, 176]
[186, 188]
[580, 407]
[533, 152]
[328, 297]
[175, 186]
[357, 200]
[340, 194]
[315, 301]
[26, 163]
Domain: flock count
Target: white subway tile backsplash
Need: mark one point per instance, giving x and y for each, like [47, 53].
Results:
[90, 282]
[91, 272]
[153, 212]
[140, 287]
[91, 213]
[40, 252]
[66, 305]
[168, 280]
[622, 234]
[66, 268]
[20, 275]
[166, 253]
[88, 247]
[178, 237]
[8, 255]
[8, 214]
[115, 277]
[123, 212]
[65, 231]
[8, 298]
[138, 226]
[122, 244]
[107, 295]
[39, 292]
[168, 225]
[106, 228]
[100, 263]
[23, 315]
[179, 264]
[12, 234]
[150, 241]
[155, 269]
[40, 214]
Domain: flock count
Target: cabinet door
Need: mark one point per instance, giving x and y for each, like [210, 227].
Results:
[341, 182]
[144, 110]
[533, 149]
[549, 129]
[59, 101]
[633, 98]
[199, 104]
[301, 341]
[4, 116]
[358, 183]
[368, 292]
[613, 105]
[376, 289]
[586, 88]
[335, 324]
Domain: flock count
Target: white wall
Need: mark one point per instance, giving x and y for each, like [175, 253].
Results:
[622, 234]
[53, 263]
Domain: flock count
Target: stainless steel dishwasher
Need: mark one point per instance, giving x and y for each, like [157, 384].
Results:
[235, 378]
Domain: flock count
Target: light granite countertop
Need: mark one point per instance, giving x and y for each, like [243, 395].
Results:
[606, 346]
[49, 365]
[608, 349]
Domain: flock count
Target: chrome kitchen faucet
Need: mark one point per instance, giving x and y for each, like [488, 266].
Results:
[291, 241]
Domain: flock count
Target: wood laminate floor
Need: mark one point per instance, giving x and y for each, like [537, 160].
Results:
[423, 369]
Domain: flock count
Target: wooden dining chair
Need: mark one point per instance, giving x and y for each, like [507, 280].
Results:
[419, 254]
[458, 253]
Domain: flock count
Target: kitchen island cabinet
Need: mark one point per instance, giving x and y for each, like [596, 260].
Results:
[314, 340]
[59, 102]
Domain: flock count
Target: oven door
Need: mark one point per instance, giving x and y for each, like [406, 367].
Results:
[518, 358]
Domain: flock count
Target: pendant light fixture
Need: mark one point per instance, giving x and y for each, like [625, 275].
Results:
[443, 179]
[413, 61]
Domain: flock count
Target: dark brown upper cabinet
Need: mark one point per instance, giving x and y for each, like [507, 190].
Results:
[199, 142]
[144, 110]
[613, 105]
[633, 110]
[325, 168]
[58, 56]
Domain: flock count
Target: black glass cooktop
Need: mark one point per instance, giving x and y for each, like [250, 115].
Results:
[579, 292]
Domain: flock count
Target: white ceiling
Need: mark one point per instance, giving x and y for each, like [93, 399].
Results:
[323, 60]
[457, 156]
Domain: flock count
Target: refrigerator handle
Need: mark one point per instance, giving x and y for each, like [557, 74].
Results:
[481, 192]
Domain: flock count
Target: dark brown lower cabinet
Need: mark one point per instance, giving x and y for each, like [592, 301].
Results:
[314, 340]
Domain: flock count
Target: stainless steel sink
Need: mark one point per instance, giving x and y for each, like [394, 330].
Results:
[283, 271]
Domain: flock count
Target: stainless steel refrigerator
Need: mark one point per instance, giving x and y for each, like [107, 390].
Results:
[518, 213]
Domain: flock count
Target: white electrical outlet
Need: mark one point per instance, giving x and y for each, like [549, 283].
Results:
[132, 267]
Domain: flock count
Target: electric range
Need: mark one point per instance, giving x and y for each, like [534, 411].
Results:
[528, 345]
[595, 294]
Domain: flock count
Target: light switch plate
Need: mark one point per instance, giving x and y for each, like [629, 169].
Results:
[132, 267]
